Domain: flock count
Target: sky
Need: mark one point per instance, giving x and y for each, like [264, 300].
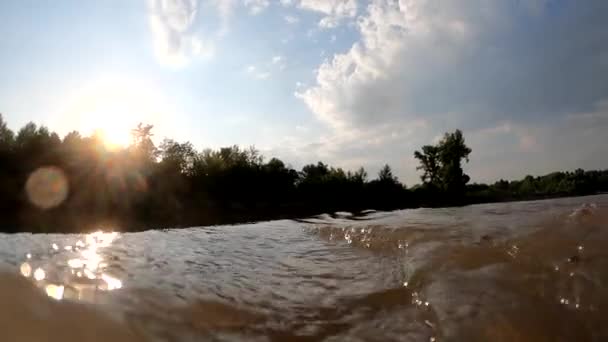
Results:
[349, 82]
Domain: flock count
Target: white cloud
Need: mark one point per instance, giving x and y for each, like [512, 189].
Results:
[290, 19]
[256, 6]
[473, 65]
[498, 151]
[475, 61]
[256, 73]
[334, 10]
[287, 2]
[171, 24]
[565, 143]
[279, 61]
[225, 9]
[354, 149]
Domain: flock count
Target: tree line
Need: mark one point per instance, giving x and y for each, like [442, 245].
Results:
[76, 183]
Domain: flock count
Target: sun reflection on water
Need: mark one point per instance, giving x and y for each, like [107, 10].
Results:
[54, 291]
[39, 274]
[86, 270]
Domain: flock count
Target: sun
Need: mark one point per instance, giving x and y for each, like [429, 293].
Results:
[115, 138]
[110, 121]
[111, 107]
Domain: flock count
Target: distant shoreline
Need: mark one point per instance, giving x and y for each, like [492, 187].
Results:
[75, 184]
[304, 214]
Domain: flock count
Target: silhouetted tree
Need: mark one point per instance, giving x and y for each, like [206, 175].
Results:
[429, 164]
[142, 186]
[312, 173]
[385, 175]
[442, 164]
[178, 157]
[452, 150]
[142, 144]
[359, 176]
[7, 137]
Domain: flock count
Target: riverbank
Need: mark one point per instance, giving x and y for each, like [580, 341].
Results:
[65, 222]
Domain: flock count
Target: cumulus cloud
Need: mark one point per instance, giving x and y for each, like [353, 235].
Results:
[334, 11]
[518, 68]
[225, 10]
[174, 38]
[256, 6]
[473, 62]
[353, 149]
[568, 142]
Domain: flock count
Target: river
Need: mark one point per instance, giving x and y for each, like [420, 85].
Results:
[521, 271]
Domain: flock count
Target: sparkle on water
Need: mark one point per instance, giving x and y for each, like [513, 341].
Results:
[54, 291]
[26, 270]
[39, 274]
[86, 262]
[421, 275]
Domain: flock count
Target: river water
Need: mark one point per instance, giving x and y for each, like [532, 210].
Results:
[523, 271]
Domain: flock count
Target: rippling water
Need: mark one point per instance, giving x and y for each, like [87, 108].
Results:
[525, 271]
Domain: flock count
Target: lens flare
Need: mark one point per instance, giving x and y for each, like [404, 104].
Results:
[47, 187]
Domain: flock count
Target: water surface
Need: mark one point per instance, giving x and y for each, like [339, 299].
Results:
[523, 271]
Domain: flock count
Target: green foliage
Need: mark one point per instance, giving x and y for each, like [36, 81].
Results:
[7, 137]
[359, 176]
[429, 164]
[442, 163]
[177, 157]
[386, 175]
[174, 184]
[142, 145]
[554, 184]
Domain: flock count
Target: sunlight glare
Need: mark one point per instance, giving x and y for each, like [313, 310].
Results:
[26, 270]
[55, 291]
[113, 105]
[39, 274]
[115, 138]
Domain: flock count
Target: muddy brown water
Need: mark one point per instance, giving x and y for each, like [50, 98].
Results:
[522, 271]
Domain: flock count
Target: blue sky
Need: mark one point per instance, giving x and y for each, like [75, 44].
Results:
[350, 82]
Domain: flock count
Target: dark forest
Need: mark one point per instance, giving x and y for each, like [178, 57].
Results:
[78, 184]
